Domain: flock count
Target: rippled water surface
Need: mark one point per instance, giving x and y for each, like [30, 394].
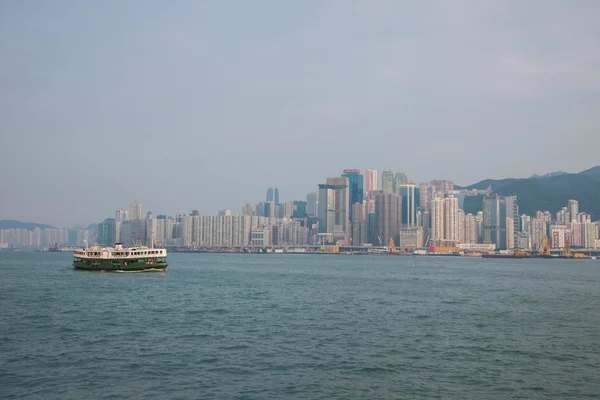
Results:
[235, 326]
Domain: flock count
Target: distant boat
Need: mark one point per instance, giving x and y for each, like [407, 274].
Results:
[17, 250]
[54, 249]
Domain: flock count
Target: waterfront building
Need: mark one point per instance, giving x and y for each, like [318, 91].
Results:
[588, 231]
[470, 229]
[334, 204]
[451, 222]
[510, 234]
[410, 203]
[388, 210]
[411, 238]
[559, 236]
[355, 188]
[494, 221]
[106, 232]
[512, 211]
[133, 232]
[437, 217]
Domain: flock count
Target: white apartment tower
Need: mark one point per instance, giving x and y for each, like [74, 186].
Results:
[451, 218]
[437, 217]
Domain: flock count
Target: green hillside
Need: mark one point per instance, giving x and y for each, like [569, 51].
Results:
[545, 194]
[12, 224]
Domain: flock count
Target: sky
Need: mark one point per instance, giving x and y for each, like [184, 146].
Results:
[203, 105]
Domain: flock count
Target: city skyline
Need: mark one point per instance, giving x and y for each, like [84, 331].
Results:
[439, 223]
[167, 104]
[260, 198]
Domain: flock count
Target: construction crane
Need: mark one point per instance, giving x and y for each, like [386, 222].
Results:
[392, 246]
[567, 249]
[545, 246]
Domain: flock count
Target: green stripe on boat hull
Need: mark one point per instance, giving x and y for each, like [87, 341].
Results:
[118, 265]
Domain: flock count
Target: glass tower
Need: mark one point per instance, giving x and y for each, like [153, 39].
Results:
[356, 188]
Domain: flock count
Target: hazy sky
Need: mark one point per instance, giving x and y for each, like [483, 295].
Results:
[203, 105]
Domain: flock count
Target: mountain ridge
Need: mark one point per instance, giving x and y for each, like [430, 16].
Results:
[14, 224]
[546, 193]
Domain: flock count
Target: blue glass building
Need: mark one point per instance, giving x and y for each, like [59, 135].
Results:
[355, 187]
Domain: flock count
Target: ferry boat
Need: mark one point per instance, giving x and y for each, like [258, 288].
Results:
[119, 258]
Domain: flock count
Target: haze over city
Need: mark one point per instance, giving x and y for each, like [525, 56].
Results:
[204, 105]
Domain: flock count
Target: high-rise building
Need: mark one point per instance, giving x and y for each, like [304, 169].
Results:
[512, 212]
[573, 209]
[387, 181]
[588, 233]
[559, 236]
[562, 216]
[399, 179]
[470, 229]
[442, 186]
[121, 215]
[273, 195]
[425, 196]
[510, 234]
[135, 210]
[106, 232]
[576, 234]
[410, 203]
[460, 196]
[388, 210]
[247, 210]
[460, 222]
[451, 218]
[437, 217]
[356, 188]
[133, 232]
[371, 180]
[311, 204]
[494, 221]
[334, 204]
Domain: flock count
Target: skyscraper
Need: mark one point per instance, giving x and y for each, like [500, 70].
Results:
[442, 186]
[573, 208]
[494, 221]
[387, 181]
[106, 232]
[135, 210]
[425, 196]
[273, 195]
[371, 180]
[512, 212]
[356, 188]
[399, 179]
[451, 218]
[437, 217]
[410, 203]
[388, 210]
[334, 204]
[311, 204]
[121, 215]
